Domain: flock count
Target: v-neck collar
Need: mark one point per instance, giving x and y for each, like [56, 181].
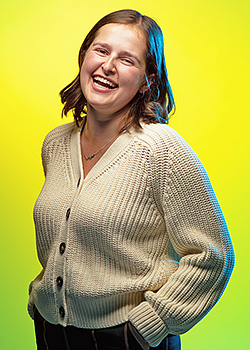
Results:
[112, 152]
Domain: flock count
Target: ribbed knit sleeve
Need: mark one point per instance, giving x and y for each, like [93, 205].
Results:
[198, 233]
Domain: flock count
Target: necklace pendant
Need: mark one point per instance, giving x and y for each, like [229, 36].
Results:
[89, 158]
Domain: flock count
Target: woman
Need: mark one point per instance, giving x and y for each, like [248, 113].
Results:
[133, 244]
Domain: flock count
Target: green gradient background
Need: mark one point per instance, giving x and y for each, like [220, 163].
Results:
[208, 54]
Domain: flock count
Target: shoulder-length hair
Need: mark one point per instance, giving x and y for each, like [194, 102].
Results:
[152, 106]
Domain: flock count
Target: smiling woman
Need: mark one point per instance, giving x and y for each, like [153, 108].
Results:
[113, 71]
[133, 245]
[155, 103]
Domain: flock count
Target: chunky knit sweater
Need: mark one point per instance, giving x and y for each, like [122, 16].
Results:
[141, 238]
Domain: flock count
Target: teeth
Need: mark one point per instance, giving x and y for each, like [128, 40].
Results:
[104, 81]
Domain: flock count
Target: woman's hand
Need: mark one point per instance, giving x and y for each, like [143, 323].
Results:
[144, 344]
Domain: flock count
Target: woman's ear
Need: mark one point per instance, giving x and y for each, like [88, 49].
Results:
[146, 85]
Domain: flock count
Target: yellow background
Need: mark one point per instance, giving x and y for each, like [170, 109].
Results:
[207, 52]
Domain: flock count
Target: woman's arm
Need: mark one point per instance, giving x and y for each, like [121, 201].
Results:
[199, 234]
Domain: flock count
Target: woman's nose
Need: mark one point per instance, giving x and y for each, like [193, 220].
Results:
[109, 66]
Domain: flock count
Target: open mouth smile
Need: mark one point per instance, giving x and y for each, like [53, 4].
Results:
[104, 83]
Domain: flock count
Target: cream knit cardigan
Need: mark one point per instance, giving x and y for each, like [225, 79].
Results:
[144, 238]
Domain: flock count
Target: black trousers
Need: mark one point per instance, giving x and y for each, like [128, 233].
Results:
[56, 337]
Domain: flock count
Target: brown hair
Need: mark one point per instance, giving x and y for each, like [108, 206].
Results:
[152, 106]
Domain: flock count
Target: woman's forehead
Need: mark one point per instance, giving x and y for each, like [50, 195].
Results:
[126, 29]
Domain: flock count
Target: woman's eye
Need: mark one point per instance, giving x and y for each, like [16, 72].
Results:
[101, 51]
[127, 61]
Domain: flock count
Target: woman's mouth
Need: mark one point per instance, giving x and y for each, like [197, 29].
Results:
[104, 83]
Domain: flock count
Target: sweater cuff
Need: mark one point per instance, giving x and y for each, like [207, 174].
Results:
[148, 323]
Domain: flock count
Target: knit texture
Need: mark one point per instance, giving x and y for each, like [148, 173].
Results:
[145, 238]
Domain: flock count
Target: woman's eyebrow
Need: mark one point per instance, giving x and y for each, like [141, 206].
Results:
[102, 43]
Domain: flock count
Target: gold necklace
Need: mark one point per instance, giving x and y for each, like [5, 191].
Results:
[93, 155]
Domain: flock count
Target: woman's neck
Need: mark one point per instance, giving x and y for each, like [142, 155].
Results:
[99, 127]
[99, 132]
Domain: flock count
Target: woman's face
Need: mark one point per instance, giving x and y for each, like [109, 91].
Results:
[113, 69]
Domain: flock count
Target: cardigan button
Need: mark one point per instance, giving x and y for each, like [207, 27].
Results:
[59, 282]
[67, 214]
[78, 183]
[62, 248]
[62, 312]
